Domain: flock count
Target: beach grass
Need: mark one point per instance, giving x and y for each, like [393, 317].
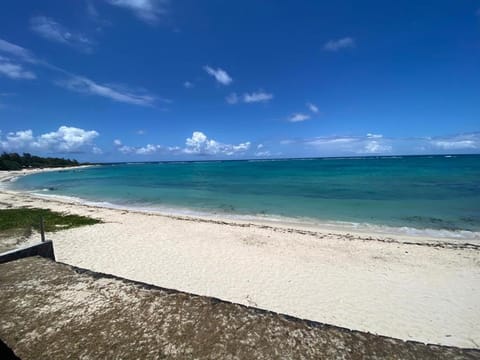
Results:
[19, 223]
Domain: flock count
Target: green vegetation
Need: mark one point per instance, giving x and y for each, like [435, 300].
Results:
[14, 161]
[17, 225]
[29, 218]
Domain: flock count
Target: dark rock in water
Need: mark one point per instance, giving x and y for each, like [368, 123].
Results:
[436, 223]
[227, 207]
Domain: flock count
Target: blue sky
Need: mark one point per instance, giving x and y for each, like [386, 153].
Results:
[142, 80]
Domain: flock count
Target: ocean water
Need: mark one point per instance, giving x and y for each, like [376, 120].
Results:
[412, 192]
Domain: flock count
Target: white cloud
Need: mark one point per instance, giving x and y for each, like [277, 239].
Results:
[299, 117]
[117, 142]
[188, 85]
[14, 70]
[149, 11]
[87, 86]
[65, 140]
[370, 144]
[148, 149]
[17, 140]
[336, 45]
[313, 108]
[197, 144]
[259, 96]
[219, 74]
[375, 147]
[232, 98]
[140, 132]
[53, 31]
[200, 144]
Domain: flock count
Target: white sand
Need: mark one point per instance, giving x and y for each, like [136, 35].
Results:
[422, 292]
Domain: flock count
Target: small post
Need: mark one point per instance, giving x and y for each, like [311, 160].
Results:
[42, 229]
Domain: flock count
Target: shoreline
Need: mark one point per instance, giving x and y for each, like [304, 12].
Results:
[10, 175]
[366, 230]
[409, 288]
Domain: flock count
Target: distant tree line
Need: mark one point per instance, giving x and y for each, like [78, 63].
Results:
[14, 161]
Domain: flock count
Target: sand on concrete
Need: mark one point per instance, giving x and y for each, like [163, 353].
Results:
[53, 311]
[403, 287]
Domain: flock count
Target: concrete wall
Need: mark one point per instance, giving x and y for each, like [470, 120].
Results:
[44, 249]
[6, 352]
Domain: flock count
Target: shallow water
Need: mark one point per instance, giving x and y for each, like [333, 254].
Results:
[424, 192]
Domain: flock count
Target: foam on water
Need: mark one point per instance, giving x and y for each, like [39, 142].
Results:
[460, 235]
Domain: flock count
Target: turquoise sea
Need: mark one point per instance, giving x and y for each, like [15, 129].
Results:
[410, 192]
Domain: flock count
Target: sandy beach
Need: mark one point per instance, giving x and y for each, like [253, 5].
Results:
[406, 287]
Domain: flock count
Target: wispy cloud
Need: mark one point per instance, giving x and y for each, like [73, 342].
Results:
[188, 85]
[91, 9]
[17, 51]
[312, 107]
[298, 117]
[339, 44]
[143, 150]
[262, 152]
[2, 105]
[65, 139]
[258, 96]
[73, 82]
[14, 70]
[85, 85]
[368, 144]
[149, 11]
[219, 74]
[457, 142]
[377, 144]
[53, 31]
[94, 16]
[248, 98]
[232, 98]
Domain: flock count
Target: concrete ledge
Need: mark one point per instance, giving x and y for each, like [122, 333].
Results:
[6, 352]
[44, 249]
